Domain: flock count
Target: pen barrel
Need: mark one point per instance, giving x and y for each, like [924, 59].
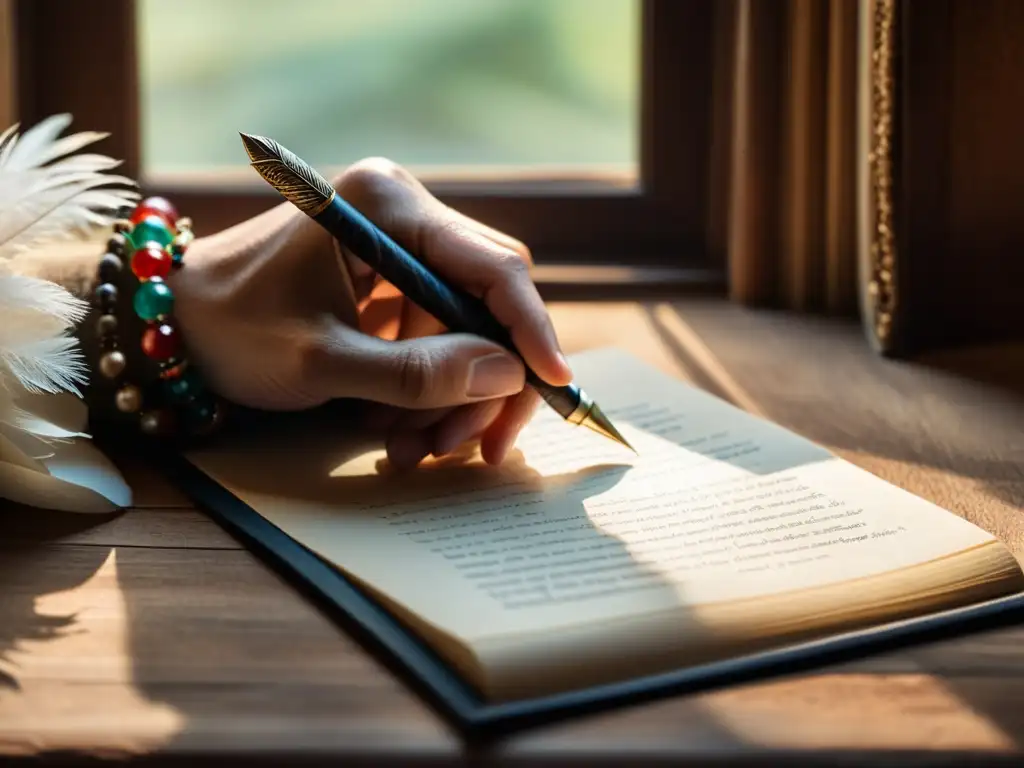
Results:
[457, 310]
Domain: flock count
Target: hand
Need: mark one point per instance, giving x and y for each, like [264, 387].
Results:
[279, 317]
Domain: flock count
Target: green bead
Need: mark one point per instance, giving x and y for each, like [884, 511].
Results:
[151, 229]
[187, 386]
[153, 299]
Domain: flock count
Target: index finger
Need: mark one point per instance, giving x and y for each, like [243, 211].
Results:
[480, 260]
[501, 277]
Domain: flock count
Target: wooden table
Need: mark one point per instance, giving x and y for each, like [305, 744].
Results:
[155, 633]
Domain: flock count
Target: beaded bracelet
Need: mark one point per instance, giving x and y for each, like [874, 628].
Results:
[174, 402]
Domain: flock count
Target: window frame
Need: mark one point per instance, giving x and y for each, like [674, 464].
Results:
[656, 232]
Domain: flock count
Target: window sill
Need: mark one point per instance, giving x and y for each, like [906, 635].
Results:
[580, 282]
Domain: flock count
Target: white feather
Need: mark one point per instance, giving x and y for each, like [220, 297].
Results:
[47, 365]
[35, 309]
[87, 162]
[7, 142]
[48, 194]
[35, 351]
[56, 208]
[66, 146]
[36, 142]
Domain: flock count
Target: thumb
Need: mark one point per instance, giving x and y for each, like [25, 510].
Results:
[429, 372]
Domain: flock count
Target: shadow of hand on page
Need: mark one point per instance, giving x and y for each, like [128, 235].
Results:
[520, 538]
[350, 473]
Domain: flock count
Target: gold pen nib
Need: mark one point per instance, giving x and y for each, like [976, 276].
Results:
[291, 176]
[598, 422]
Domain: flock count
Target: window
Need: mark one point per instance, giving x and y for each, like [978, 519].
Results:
[581, 126]
[441, 86]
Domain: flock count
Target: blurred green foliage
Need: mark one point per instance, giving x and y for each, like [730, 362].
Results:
[424, 82]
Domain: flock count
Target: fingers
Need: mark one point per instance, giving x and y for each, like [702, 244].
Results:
[464, 424]
[502, 278]
[412, 436]
[499, 237]
[462, 386]
[380, 418]
[487, 263]
[407, 449]
[431, 372]
[409, 443]
[501, 434]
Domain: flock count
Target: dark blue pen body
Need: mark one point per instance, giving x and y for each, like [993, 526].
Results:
[459, 311]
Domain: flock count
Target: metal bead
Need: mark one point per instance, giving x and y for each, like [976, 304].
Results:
[118, 244]
[157, 422]
[128, 399]
[106, 325]
[123, 225]
[110, 268]
[106, 295]
[112, 364]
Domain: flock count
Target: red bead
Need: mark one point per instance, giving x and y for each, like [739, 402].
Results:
[155, 206]
[151, 262]
[160, 342]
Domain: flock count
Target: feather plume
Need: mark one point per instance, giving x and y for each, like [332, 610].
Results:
[48, 193]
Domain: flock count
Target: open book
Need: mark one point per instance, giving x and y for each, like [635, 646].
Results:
[578, 563]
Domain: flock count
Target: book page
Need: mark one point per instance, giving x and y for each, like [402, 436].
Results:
[718, 506]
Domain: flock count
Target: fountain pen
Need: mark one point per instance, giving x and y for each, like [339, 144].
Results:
[456, 309]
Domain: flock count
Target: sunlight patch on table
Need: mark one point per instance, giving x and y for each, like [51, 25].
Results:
[73, 685]
[883, 712]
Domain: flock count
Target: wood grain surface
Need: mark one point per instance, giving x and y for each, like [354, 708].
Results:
[155, 633]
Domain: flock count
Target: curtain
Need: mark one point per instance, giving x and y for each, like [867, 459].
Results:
[872, 165]
[791, 230]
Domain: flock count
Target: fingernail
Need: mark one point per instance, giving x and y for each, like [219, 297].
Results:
[494, 375]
